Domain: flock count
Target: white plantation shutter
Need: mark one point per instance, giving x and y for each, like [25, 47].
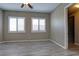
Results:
[38, 24]
[16, 24]
[20, 24]
[35, 24]
[42, 25]
[12, 24]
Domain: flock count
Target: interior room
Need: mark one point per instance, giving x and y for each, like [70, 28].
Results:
[73, 26]
[36, 29]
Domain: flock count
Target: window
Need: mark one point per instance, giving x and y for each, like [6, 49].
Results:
[16, 24]
[38, 25]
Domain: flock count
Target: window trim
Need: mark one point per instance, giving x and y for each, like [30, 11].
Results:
[16, 25]
[38, 31]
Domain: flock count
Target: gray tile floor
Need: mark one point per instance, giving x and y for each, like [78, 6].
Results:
[42, 48]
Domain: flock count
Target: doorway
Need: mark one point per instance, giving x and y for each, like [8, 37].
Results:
[72, 26]
[71, 30]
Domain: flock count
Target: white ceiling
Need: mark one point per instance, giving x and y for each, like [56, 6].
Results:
[37, 7]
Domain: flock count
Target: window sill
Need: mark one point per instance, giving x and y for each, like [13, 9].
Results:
[38, 31]
[16, 32]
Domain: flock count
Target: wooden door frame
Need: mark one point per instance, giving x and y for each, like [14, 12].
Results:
[66, 25]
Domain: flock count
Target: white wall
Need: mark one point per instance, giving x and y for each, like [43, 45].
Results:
[1, 26]
[57, 25]
[28, 35]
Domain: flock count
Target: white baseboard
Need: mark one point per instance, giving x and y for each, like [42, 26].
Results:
[1, 42]
[25, 40]
[57, 43]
